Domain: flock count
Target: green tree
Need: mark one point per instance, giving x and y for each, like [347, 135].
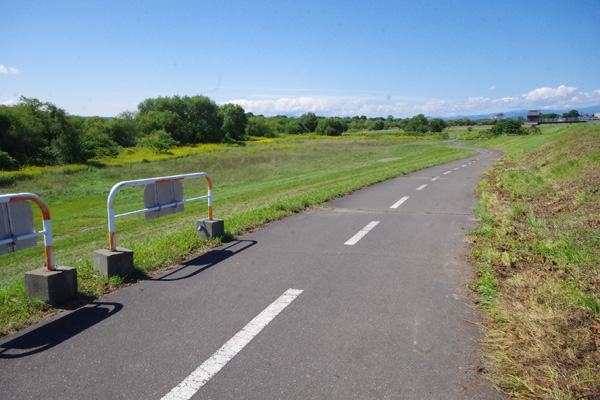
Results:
[418, 123]
[331, 127]
[309, 120]
[549, 115]
[123, 129]
[377, 125]
[571, 114]
[508, 127]
[201, 118]
[166, 120]
[294, 127]
[49, 125]
[7, 163]
[234, 121]
[261, 127]
[436, 125]
[205, 120]
[71, 145]
[158, 141]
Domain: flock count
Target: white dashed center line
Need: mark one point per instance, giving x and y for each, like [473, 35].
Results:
[399, 202]
[186, 389]
[421, 187]
[435, 179]
[354, 239]
[447, 172]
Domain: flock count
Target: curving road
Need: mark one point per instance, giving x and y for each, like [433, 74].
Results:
[362, 299]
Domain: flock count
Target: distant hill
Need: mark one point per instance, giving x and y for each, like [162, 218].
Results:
[523, 113]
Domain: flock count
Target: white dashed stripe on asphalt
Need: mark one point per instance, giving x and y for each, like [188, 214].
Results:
[399, 202]
[186, 389]
[354, 239]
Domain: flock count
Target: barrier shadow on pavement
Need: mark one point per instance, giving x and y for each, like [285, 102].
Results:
[53, 333]
[206, 261]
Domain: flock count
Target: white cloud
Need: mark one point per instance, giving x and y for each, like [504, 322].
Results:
[9, 102]
[549, 93]
[8, 70]
[372, 106]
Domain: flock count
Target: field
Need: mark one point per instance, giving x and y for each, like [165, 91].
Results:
[254, 183]
[536, 251]
[475, 132]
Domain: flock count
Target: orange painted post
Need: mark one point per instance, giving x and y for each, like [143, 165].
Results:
[210, 217]
[46, 232]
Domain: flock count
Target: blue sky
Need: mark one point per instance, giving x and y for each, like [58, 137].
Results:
[334, 58]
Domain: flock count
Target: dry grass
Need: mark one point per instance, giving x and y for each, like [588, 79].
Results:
[540, 246]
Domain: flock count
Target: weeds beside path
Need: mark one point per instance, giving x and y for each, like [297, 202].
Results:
[537, 254]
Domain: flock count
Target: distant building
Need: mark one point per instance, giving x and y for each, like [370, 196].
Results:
[533, 117]
[498, 116]
[597, 115]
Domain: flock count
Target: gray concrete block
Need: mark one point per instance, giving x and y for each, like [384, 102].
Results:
[53, 287]
[109, 263]
[207, 229]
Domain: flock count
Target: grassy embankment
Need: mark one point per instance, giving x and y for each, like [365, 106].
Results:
[253, 184]
[537, 254]
[475, 132]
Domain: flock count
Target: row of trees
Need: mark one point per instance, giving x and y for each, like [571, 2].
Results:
[570, 114]
[39, 133]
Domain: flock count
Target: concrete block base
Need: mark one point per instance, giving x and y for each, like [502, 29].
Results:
[53, 287]
[109, 263]
[207, 229]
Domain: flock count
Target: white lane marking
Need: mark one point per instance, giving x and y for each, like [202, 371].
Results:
[435, 179]
[421, 187]
[456, 168]
[354, 239]
[447, 172]
[399, 202]
[190, 385]
[464, 165]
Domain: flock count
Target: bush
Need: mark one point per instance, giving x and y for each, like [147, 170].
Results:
[261, 127]
[331, 127]
[294, 128]
[7, 163]
[508, 127]
[377, 126]
[158, 141]
[7, 180]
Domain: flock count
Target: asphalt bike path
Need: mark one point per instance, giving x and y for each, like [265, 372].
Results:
[364, 298]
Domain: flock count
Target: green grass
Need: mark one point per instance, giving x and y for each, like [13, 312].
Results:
[254, 183]
[537, 256]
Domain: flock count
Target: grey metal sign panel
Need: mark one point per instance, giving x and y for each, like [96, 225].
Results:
[160, 194]
[16, 218]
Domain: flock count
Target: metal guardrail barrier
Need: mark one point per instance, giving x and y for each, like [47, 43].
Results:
[9, 199]
[566, 120]
[157, 192]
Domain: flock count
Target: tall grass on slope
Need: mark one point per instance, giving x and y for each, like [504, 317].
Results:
[537, 252]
